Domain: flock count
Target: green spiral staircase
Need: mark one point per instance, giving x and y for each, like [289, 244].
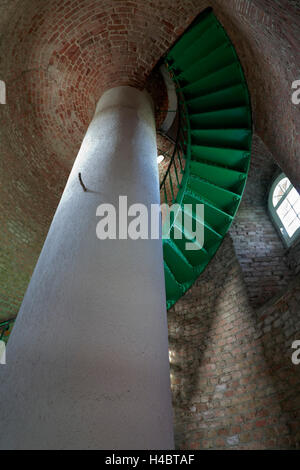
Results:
[211, 157]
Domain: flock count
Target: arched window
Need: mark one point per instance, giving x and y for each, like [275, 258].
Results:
[284, 207]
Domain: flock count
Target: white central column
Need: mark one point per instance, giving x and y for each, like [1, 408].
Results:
[87, 361]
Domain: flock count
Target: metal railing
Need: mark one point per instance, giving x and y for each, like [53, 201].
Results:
[174, 181]
[5, 328]
[176, 173]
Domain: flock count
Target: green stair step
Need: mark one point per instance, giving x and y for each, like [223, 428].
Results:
[232, 118]
[221, 78]
[226, 138]
[217, 139]
[210, 40]
[196, 258]
[178, 264]
[211, 234]
[173, 289]
[191, 224]
[190, 36]
[233, 96]
[213, 215]
[202, 67]
[225, 200]
[228, 179]
[226, 157]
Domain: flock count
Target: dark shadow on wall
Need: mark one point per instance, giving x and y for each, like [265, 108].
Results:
[262, 256]
[225, 393]
[189, 363]
[279, 323]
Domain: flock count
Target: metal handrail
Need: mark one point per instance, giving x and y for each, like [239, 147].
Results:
[183, 150]
[174, 151]
[4, 326]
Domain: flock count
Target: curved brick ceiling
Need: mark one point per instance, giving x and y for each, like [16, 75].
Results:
[62, 55]
[58, 56]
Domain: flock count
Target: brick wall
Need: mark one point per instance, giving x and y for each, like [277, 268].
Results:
[261, 253]
[233, 383]
[57, 58]
[266, 36]
[279, 326]
[293, 256]
[30, 192]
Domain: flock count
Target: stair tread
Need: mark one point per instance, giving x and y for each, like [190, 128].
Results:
[234, 159]
[221, 78]
[179, 265]
[233, 96]
[219, 165]
[224, 177]
[234, 109]
[235, 139]
[215, 186]
[214, 216]
[194, 32]
[207, 202]
[205, 223]
[197, 258]
[204, 66]
[233, 117]
[173, 288]
[210, 39]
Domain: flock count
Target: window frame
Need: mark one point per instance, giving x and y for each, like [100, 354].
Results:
[287, 240]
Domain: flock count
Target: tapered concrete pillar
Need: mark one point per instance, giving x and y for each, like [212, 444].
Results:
[87, 361]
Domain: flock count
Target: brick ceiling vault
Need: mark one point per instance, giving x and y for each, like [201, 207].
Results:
[57, 57]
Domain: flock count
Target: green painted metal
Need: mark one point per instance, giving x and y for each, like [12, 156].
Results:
[5, 329]
[213, 148]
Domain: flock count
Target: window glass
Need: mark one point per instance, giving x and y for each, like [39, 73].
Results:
[286, 207]
[280, 190]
